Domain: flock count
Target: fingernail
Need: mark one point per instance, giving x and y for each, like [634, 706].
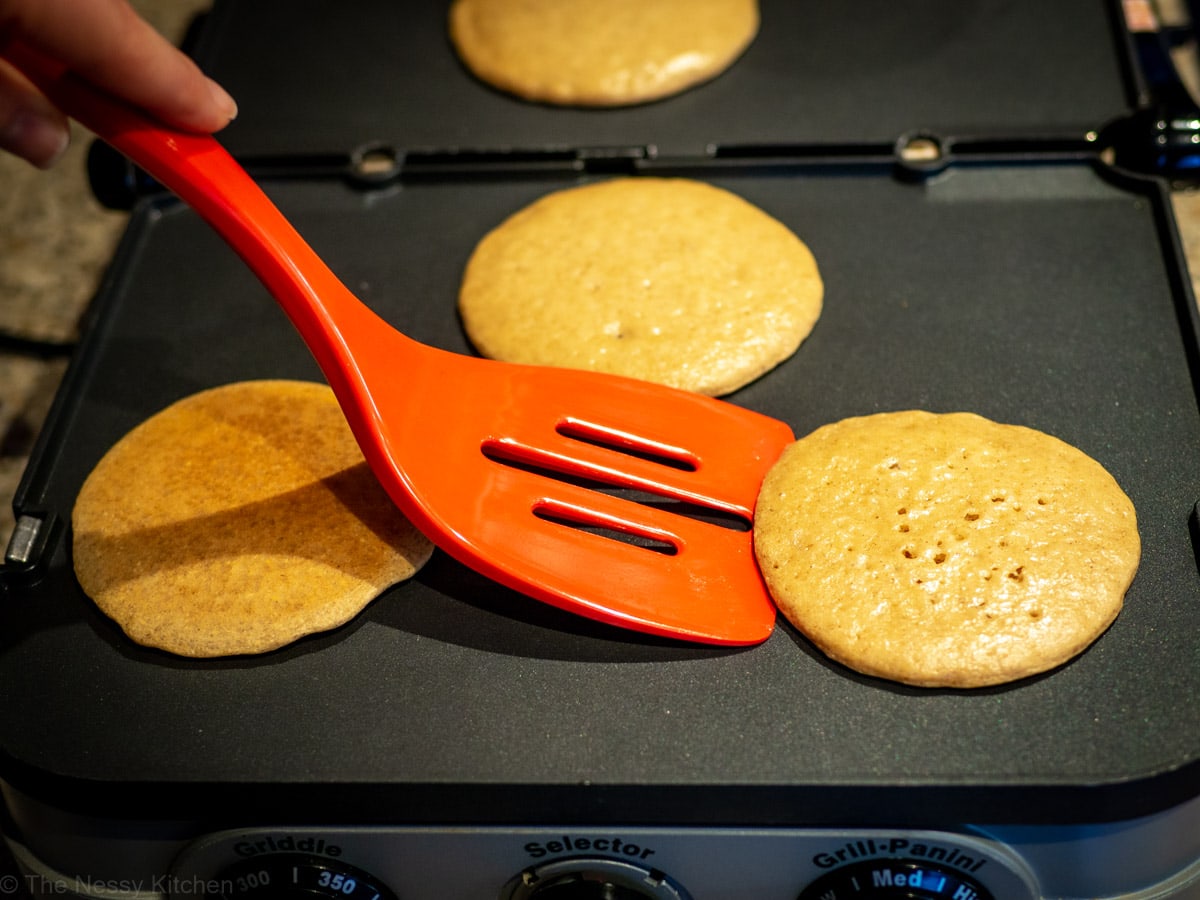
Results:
[224, 102]
[35, 137]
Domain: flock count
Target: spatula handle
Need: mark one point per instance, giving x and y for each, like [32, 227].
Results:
[203, 174]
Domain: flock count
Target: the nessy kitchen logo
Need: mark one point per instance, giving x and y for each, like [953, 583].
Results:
[43, 885]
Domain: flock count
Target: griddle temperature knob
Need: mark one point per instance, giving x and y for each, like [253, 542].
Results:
[287, 876]
[895, 879]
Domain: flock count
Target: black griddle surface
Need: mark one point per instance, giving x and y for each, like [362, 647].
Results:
[1040, 295]
[321, 77]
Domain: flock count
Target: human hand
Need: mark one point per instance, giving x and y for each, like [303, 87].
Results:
[108, 44]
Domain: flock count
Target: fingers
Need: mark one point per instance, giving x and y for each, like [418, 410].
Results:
[30, 126]
[107, 43]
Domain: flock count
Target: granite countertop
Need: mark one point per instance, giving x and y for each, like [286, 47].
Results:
[55, 241]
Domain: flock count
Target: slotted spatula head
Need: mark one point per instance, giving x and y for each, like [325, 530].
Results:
[590, 492]
[621, 500]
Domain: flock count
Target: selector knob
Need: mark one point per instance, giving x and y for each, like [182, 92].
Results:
[278, 876]
[896, 879]
[583, 889]
[582, 878]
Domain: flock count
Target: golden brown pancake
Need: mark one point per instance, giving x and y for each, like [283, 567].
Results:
[944, 550]
[664, 279]
[238, 520]
[610, 53]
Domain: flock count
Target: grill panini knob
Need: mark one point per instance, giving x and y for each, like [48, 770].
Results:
[896, 879]
[287, 876]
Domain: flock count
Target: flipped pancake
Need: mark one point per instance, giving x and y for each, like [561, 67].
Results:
[614, 53]
[238, 520]
[665, 279]
[944, 550]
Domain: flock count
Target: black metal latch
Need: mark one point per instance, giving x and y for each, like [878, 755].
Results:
[1164, 137]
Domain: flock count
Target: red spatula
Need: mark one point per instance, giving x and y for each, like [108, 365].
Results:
[497, 463]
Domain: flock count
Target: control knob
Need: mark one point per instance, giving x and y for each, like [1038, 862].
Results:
[278, 876]
[895, 879]
[584, 878]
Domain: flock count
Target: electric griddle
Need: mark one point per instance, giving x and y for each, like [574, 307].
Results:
[459, 740]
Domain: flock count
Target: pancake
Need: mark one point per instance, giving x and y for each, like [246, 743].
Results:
[664, 279]
[944, 550]
[238, 520]
[615, 53]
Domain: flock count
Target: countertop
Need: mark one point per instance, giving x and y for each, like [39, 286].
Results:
[55, 241]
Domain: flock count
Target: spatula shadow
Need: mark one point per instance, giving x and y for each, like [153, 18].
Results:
[264, 527]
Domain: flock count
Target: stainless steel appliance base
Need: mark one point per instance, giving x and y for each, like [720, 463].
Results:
[1154, 857]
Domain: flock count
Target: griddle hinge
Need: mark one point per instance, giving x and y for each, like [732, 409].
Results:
[1163, 137]
[612, 160]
